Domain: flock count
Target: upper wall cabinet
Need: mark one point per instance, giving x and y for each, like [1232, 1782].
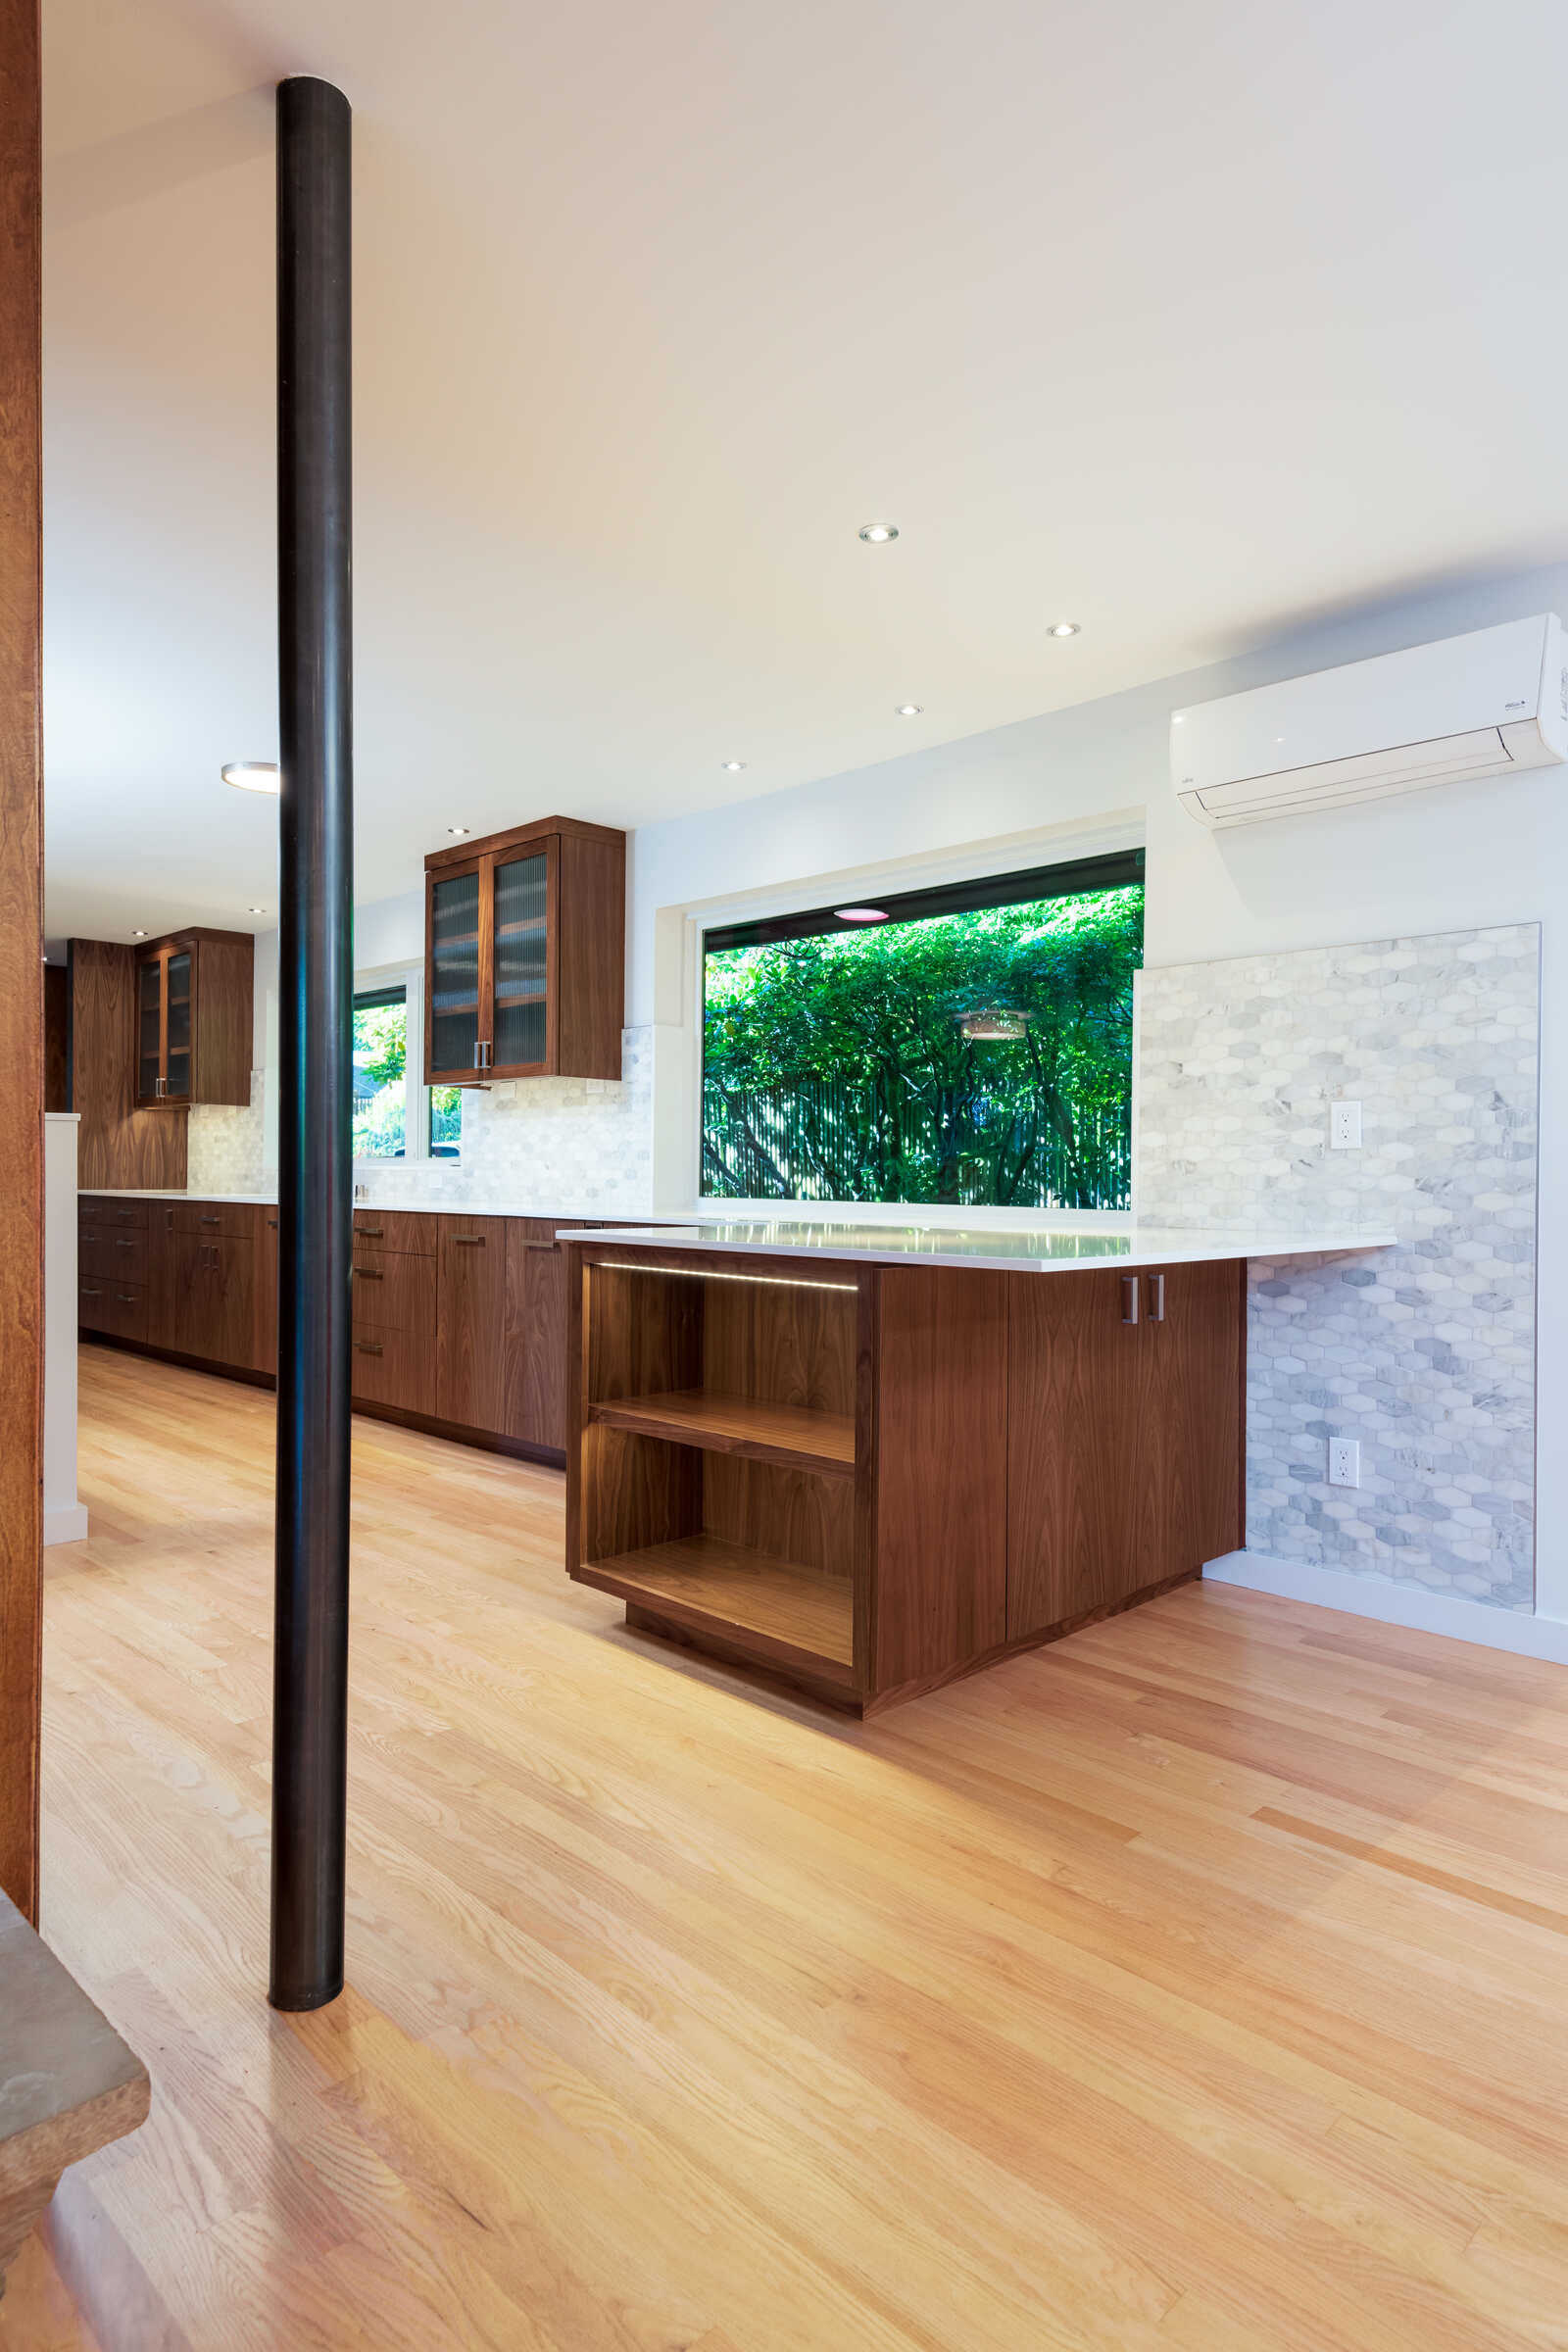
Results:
[194, 1019]
[524, 944]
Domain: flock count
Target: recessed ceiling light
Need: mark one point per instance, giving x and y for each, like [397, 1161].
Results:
[909, 710]
[860, 915]
[256, 910]
[1064, 628]
[459, 832]
[733, 767]
[138, 935]
[877, 534]
[252, 775]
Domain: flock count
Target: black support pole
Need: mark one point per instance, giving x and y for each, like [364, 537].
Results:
[314, 1201]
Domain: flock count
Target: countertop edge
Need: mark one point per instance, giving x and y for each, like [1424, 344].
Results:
[1166, 1247]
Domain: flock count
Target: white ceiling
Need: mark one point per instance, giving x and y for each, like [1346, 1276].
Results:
[1187, 320]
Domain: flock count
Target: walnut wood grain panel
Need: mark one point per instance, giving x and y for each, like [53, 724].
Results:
[214, 1297]
[782, 1343]
[264, 1353]
[793, 1514]
[223, 1031]
[108, 1211]
[119, 1307]
[119, 1146]
[393, 1365]
[1194, 1440]
[21, 1054]
[211, 1219]
[778, 1610]
[471, 1319]
[534, 1375]
[643, 1331]
[396, 1290]
[164, 1277]
[1084, 1517]
[101, 1251]
[591, 962]
[56, 1033]
[634, 1492]
[790, 1434]
[941, 1576]
[416, 1230]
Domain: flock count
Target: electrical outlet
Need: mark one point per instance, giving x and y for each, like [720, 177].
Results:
[1345, 1126]
[1345, 1461]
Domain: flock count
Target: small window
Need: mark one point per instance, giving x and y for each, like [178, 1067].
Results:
[968, 1045]
[446, 1122]
[380, 1072]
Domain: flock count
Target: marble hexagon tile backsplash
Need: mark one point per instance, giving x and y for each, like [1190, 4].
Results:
[1425, 1354]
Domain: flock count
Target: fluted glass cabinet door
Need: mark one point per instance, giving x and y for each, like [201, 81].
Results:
[455, 974]
[521, 905]
[149, 1029]
[177, 982]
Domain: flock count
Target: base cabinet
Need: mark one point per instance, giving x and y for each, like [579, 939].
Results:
[470, 1320]
[872, 1480]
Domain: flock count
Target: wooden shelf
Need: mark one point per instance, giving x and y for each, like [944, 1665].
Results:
[793, 1614]
[765, 1433]
[519, 996]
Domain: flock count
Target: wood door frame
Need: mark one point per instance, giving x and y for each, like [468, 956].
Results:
[472, 862]
[21, 1017]
[548, 847]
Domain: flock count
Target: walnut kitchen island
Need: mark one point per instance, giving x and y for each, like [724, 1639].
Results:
[867, 1459]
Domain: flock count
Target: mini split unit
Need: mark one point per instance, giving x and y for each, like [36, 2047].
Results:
[1478, 705]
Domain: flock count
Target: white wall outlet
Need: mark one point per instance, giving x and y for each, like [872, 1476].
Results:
[1345, 1126]
[1345, 1461]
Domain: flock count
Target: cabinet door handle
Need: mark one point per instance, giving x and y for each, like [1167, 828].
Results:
[541, 1244]
[469, 1241]
[1156, 1297]
[369, 1347]
[368, 1274]
[209, 1220]
[1129, 1298]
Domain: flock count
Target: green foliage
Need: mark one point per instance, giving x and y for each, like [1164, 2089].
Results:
[839, 1068]
[380, 1059]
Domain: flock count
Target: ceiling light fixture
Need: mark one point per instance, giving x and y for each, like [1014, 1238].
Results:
[1064, 628]
[459, 832]
[256, 910]
[877, 534]
[252, 775]
[909, 710]
[138, 935]
[860, 915]
[732, 767]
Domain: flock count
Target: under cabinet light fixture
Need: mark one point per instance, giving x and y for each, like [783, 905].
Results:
[877, 534]
[860, 915]
[774, 1282]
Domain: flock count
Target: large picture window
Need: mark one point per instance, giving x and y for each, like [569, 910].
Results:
[969, 1045]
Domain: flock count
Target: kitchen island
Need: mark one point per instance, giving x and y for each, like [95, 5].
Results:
[867, 1459]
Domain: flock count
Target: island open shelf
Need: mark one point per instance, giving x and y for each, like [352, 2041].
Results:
[870, 1478]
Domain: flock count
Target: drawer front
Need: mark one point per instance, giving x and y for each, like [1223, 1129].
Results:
[402, 1228]
[102, 1251]
[104, 1209]
[393, 1367]
[216, 1220]
[394, 1288]
[117, 1308]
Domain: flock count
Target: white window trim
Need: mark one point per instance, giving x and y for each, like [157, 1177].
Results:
[417, 1105]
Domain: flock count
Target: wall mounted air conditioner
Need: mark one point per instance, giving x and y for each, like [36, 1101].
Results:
[1483, 705]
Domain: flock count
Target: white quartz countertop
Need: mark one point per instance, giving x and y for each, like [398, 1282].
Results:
[400, 1208]
[1053, 1250]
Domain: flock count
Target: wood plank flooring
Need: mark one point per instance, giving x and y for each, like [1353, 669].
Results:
[1196, 1984]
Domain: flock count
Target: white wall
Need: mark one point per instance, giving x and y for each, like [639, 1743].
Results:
[1453, 859]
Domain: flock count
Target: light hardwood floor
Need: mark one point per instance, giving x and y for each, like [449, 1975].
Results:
[1200, 1983]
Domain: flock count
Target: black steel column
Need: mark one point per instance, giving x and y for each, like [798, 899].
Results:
[314, 1201]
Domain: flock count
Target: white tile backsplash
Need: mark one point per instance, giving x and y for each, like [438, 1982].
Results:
[1425, 1354]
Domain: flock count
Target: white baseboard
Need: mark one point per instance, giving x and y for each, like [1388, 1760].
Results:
[66, 1523]
[1395, 1604]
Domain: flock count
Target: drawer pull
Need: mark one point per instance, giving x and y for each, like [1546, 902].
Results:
[541, 1244]
[469, 1241]
[372, 1233]
[126, 1298]
[123, 1216]
[1129, 1298]
[209, 1220]
[90, 1294]
[369, 1347]
[368, 1274]
[125, 1245]
[1156, 1297]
